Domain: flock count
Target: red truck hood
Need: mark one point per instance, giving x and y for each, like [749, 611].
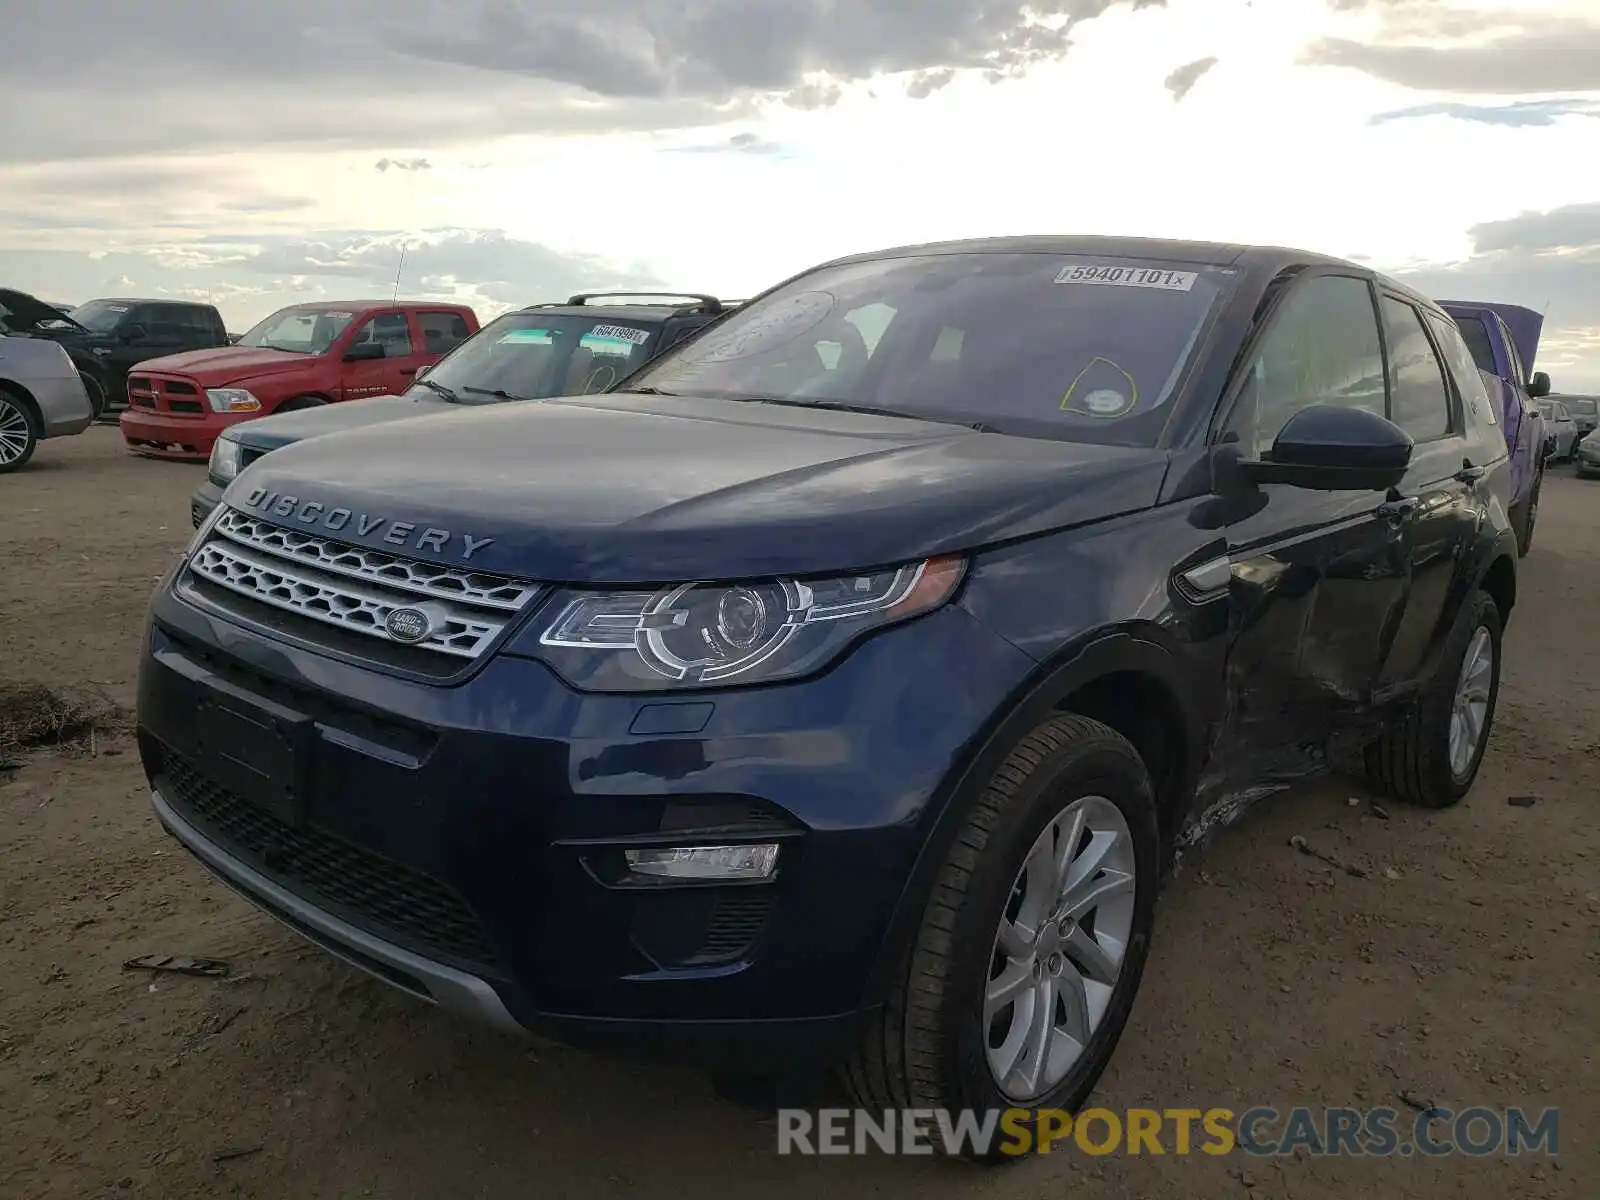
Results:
[227, 364]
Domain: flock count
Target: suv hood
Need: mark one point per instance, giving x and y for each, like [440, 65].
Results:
[223, 365]
[29, 312]
[282, 429]
[624, 489]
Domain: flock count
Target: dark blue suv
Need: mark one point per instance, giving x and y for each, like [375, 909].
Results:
[841, 690]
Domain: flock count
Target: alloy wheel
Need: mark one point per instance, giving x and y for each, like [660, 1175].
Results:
[16, 434]
[1470, 710]
[1060, 948]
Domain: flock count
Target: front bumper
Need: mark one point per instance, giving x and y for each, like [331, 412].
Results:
[454, 841]
[181, 436]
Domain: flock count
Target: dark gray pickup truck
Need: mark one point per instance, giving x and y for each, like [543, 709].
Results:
[105, 338]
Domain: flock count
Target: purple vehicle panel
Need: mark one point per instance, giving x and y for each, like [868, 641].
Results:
[1504, 339]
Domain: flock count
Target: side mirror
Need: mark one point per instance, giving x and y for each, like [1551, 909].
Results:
[133, 333]
[364, 352]
[1539, 385]
[1330, 449]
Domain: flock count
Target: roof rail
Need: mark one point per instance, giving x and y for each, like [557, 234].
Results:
[701, 301]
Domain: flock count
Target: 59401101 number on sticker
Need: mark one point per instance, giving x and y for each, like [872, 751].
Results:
[1140, 277]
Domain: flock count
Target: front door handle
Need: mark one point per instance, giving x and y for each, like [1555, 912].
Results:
[1395, 510]
[408, 370]
[1470, 473]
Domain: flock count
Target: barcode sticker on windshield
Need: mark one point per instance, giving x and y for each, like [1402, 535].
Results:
[621, 333]
[1139, 277]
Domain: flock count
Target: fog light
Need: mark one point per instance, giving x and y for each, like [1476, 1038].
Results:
[706, 862]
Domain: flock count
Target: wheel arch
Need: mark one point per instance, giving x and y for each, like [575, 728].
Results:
[1499, 580]
[1128, 678]
[23, 396]
[313, 394]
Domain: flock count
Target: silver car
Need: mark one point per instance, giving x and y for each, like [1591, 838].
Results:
[1585, 412]
[1560, 429]
[41, 396]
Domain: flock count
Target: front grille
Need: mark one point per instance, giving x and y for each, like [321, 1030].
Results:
[176, 387]
[384, 898]
[355, 589]
[138, 383]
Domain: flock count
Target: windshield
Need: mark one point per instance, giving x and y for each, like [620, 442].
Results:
[1079, 348]
[306, 330]
[1477, 339]
[1581, 408]
[100, 316]
[532, 355]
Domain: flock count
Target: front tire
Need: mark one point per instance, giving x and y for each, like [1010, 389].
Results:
[19, 432]
[300, 404]
[1024, 970]
[1431, 755]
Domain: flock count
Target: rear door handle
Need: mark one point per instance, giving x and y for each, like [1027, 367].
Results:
[1395, 510]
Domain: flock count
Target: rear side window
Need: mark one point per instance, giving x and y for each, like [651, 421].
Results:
[1475, 400]
[1421, 403]
[194, 323]
[442, 332]
[1477, 339]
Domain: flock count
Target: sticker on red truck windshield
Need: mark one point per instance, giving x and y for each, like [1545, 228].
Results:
[1107, 275]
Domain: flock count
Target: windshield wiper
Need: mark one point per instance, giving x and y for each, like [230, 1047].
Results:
[869, 410]
[440, 389]
[647, 390]
[497, 393]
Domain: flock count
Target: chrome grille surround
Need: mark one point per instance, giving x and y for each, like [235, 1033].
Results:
[355, 588]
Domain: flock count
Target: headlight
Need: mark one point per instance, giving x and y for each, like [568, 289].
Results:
[224, 459]
[696, 635]
[232, 400]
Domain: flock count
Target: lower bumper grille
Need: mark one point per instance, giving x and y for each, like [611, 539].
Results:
[385, 898]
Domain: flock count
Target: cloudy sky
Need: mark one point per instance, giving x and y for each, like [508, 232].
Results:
[261, 153]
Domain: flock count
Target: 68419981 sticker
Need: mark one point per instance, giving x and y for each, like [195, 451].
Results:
[1108, 275]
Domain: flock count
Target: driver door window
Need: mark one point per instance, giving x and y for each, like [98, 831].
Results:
[1323, 348]
[825, 362]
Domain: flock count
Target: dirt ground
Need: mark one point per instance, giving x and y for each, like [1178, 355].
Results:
[1463, 969]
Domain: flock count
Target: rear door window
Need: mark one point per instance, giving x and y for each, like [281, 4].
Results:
[442, 332]
[1420, 402]
[1475, 399]
[1477, 339]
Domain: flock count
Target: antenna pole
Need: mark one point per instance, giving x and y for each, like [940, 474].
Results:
[397, 271]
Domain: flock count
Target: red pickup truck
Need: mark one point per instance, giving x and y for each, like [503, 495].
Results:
[299, 357]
